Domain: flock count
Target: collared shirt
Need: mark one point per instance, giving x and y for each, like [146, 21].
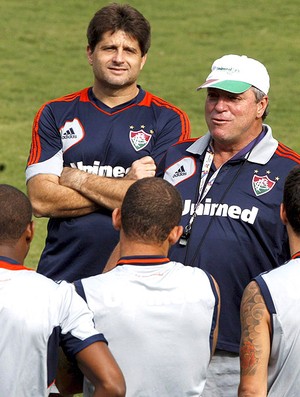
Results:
[237, 232]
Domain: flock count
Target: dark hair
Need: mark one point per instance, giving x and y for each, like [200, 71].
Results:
[15, 213]
[116, 17]
[150, 210]
[291, 198]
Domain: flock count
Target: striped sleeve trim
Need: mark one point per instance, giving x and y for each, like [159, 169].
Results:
[36, 148]
[188, 140]
[185, 122]
[286, 152]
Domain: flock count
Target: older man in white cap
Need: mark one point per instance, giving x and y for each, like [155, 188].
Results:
[231, 181]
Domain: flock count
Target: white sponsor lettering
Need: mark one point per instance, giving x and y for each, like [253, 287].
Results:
[102, 170]
[213, 209]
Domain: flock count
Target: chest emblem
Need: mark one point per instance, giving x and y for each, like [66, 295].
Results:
[139, 139]
[262, 184]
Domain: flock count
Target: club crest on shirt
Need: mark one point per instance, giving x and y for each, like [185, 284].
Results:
[262, 184]
[139, 139]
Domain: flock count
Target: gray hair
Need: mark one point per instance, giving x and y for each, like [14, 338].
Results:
[259, 96]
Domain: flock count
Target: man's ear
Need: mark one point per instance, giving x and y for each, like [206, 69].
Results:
[262, 105]
[144, 59]
[26, 238]
[175, 234]
[29, 232]
[116, 218]
[89, 54]
[283, 216]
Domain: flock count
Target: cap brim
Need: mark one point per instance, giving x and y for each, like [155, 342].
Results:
[234, 86]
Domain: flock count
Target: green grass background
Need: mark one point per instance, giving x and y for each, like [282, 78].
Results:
[42, 46]
[43, 43]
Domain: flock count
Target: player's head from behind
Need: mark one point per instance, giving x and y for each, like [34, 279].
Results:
[290, 208]
[15, 218]
[151, 209]
[119, 17]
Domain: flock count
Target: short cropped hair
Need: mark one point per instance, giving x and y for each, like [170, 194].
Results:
[15, 213]
[116, 17]
[291, 198]
[151, 208]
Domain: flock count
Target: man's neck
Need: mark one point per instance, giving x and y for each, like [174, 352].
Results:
[143, 249]
[112, 97]
[12, 254]
[294, 241]
[223, 152]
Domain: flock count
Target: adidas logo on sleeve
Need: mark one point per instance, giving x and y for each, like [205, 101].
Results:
[178, 172]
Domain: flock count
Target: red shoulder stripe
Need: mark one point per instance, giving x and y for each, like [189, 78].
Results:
[36, 149]
[286, 152]
[190, 140]
[185, 122]
[83, 94]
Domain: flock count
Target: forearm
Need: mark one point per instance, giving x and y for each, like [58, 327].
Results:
[50, 199]
[104, 191]
[255, 343]
[99, 366]
[244, 391]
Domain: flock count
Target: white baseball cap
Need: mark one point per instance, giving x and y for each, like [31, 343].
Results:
[236, 74]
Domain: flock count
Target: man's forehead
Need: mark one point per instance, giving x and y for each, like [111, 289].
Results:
[119, 37]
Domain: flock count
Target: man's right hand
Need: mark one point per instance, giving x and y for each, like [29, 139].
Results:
[142, 168]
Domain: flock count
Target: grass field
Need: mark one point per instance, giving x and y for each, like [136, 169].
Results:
[43, 43]
[43, 56]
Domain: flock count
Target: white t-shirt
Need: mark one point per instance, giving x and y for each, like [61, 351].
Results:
[35, 315]
[281, 291]
[158, 320]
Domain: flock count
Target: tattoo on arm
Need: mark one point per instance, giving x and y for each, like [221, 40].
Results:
[253, 309]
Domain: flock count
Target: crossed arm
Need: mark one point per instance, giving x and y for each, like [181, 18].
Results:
[77, 193]
[255, 343]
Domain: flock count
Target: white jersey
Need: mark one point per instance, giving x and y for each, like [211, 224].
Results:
[158, 317]
[281, 291]
[36, 314]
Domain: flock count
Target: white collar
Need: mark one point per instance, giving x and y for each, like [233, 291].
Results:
[260, 154]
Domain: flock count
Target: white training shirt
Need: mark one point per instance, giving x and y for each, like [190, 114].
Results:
[281, 291]
[158, 317]
[35, 315]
